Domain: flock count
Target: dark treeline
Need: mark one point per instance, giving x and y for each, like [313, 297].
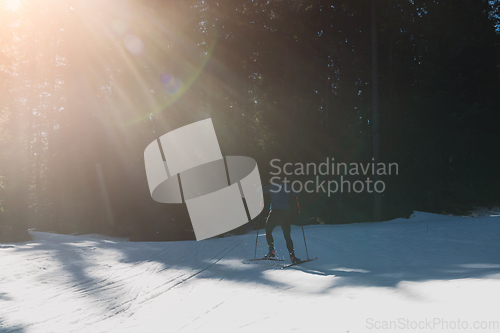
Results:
[86, 86]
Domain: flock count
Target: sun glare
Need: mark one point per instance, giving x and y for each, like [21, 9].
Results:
[13, 4]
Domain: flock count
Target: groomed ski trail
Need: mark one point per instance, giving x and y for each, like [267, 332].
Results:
[430, 266]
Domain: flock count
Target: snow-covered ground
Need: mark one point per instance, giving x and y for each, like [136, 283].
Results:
[425, 274]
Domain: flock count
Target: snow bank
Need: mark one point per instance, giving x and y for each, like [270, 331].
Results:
[431, 270]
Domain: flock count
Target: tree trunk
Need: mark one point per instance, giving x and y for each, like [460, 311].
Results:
[377, 207]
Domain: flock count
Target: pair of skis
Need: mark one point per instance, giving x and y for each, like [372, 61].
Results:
[286, 266]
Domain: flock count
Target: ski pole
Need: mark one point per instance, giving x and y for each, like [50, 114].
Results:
[258, 226]
[256, 238]
[303, 233]
[305, 242]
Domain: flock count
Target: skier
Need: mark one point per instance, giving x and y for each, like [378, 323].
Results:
[279, 214]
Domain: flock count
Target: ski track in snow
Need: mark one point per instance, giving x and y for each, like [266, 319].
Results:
[426, 267]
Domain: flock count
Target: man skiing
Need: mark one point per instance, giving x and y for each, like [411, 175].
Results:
[279, 214]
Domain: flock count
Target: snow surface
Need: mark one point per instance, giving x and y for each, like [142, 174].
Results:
[422, 274]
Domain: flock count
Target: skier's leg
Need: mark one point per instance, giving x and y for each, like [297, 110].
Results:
[270, 225]
[287, 228]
